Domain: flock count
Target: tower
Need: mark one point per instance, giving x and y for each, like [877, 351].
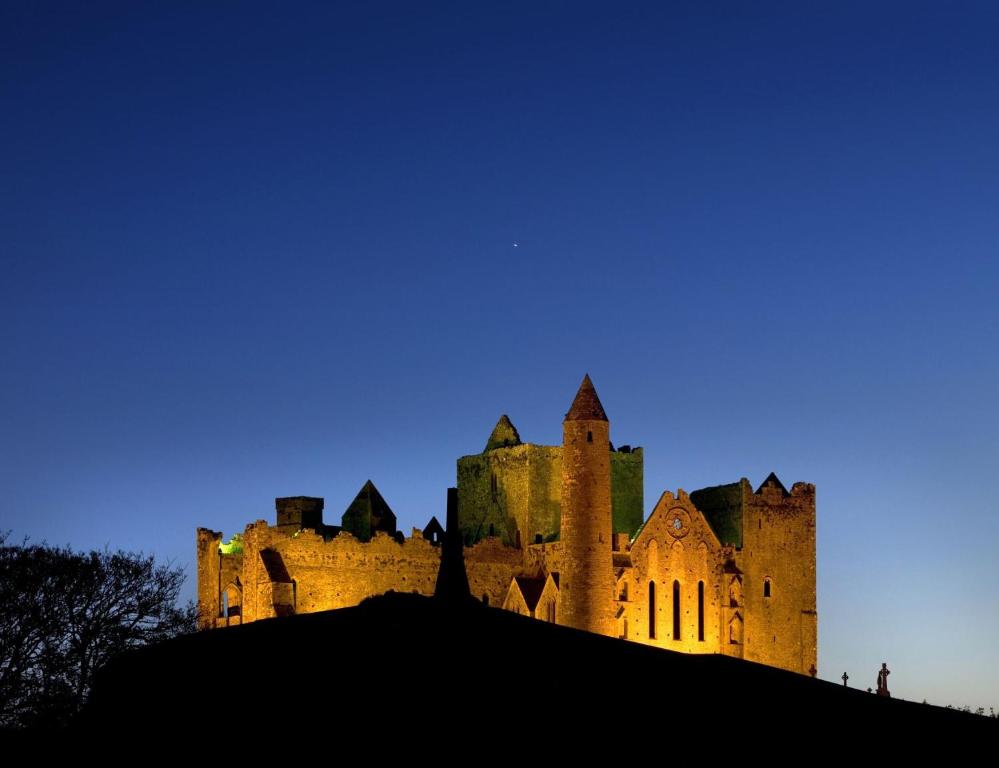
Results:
[587, 576]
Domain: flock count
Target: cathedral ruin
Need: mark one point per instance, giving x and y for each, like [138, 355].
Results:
[556, 533]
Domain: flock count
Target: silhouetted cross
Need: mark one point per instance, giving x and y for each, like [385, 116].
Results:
[845, 678]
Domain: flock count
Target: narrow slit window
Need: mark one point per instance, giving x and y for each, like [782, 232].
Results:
[766, 587]
[652, 610]
[700, 611]
[589, 437]
[676, 610]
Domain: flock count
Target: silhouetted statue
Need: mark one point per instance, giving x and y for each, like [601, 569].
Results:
[452, 580]
[883, 680]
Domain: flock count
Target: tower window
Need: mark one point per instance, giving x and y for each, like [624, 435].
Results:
[492, 486]
[766, 587]
[589, 437]
[652, 610]
[700, 611]
[676, 610]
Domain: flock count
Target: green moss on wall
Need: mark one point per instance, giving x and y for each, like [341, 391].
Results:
[722, 506]
[627, 491]
[515, 493]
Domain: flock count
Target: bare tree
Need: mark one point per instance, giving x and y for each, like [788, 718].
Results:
[63, 614]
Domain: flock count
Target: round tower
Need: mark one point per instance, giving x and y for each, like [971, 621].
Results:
[586, 583]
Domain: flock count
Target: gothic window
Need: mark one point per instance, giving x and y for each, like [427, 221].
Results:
[231, 601]
[766, 587]
[589, 437]
[700, 611]
[734, 593]
[735, 630]
[676, 610]
[652, 610]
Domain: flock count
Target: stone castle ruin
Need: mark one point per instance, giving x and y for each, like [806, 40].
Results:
[556, 533]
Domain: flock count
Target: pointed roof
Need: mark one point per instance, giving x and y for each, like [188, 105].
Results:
[503, 434]
[773, 481]
[586, 406]
[372, 498]
[367, 513]
[434, 531]
[531, 588]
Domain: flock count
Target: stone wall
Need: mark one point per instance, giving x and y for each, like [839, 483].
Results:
[677, 545]
[209, 586]
[515, 493]
[491, 566]
[303, 572]
[779, 546]
[628, 490]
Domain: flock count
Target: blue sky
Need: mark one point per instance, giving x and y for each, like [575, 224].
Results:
[249, 251]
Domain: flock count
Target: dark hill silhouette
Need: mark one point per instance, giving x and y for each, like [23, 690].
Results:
[408, 664]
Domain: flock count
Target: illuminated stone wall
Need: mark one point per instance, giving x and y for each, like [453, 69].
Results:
[772, 533]
[281, 572]
[209, 588]
[516, 492]
[676, 544]
[779, 546]
[586, 588]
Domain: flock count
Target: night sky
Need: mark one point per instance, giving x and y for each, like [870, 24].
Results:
[258, 250]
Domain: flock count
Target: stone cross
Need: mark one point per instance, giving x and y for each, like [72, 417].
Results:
[845, 678]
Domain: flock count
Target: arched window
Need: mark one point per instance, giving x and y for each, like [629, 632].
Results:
[700, 611]
[589, 437]
[735, 630]
[231, 606]
[676, 610]
[766, 587]
[652, 610]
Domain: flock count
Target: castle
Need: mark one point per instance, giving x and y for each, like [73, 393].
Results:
[556, 533]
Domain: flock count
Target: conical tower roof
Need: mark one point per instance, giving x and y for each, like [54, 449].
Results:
[586, 406]
[503, 434]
